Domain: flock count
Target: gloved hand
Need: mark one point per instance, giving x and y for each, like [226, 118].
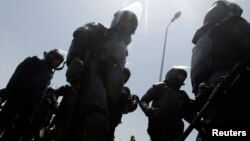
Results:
[152, 112]
[131, 104]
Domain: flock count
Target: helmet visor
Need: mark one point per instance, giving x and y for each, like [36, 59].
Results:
[136, 8]
[60, 58]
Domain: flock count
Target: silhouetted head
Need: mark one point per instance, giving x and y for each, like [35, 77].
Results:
[220, 10]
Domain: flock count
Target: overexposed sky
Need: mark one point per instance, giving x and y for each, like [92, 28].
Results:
[29, 27]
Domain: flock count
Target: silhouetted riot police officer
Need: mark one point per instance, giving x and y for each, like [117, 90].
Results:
[96, 60]
[24, 92]
[169, 104]
[222, 41]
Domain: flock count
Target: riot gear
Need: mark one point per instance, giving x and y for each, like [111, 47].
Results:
[27, 85]
[175, 73]
[220, 43]
[175, 78]
[54, 55]
[96, 61]
[215, 43]
[87, 39]
[220, 10]
[125, 19]
[131, 104]
[169, 106]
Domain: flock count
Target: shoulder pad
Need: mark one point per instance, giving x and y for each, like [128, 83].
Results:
[33, 59]
[96, 27]
[159, 85]
[201, 31]
[36, 58]
[89, 29]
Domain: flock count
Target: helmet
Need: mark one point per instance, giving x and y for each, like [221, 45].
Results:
[52, 55]
[126, 19]
[222, 9]
[176, 74]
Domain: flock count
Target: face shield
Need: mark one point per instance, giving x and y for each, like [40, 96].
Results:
[178, 74]
[62, 63]
[128, 17]
[55, 58]
[136, 8]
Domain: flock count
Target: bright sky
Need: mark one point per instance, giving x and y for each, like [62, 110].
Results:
[29, 27]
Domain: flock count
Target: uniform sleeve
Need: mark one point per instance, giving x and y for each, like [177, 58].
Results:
[147, 98]
[189, 110]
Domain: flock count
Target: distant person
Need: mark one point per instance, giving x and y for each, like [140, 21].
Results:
[132, 138]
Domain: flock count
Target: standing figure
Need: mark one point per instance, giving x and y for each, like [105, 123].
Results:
[25, 90]
[169, 106]
[222, 41]
[96, 61]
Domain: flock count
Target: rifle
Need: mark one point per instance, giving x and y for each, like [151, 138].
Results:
[223, 86]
